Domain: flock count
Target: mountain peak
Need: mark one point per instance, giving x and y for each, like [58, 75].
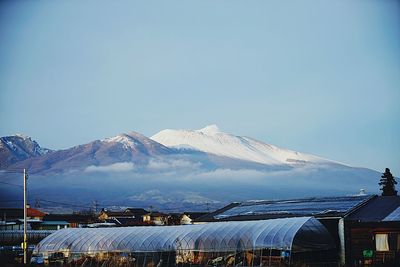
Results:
[19, 147]
[124, 139]
[136, 141]
[210, 129]
[23, 136]
[129, 140]
[211, 140]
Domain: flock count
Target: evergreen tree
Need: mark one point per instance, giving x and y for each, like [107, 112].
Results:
[388, 183]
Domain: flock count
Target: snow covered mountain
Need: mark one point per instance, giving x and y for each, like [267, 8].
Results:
[131, 147]
[18, 147]
[137, 143]
[208, 147]
[174, 169]
[211, 140]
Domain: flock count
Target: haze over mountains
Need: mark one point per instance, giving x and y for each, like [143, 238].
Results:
[176, 169]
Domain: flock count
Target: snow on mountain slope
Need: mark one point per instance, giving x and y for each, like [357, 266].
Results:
[130, 147]
[137, 141]
[209, 166]
[19, 147]
[211, 140]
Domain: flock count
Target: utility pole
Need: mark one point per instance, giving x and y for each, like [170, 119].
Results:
[95, 206]
[37, 203]
[25, 244]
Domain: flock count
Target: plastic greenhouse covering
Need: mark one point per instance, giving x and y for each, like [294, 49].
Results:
[294, 234]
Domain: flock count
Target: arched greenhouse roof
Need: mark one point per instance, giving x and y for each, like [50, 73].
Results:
[296, 234]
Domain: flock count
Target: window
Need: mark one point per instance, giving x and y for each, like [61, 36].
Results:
[382, 242]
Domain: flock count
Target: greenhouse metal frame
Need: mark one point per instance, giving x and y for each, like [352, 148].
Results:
[238, 243]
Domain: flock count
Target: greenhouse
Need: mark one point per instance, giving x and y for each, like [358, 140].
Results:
[278, 242]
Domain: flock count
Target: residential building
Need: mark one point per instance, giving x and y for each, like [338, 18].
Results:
[372, 233]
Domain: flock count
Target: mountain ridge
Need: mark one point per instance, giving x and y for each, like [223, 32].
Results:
[18, 147]
[211, 140]
[139, 149]
[127, 147]
[214, 167]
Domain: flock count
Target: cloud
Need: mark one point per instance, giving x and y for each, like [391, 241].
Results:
[232, 175]
[167, 196]
[172, 165]
[116, 167]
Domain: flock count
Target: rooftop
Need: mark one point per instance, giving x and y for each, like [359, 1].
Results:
[269, 209]
[16, 213]
[380, 208]
[54, 223]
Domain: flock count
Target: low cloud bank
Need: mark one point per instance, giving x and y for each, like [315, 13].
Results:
[116, 167]
[173, 165]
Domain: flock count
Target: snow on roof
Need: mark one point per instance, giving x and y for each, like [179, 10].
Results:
[394, 216]
[298, 207]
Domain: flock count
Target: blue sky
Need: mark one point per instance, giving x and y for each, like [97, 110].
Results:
[315, 76]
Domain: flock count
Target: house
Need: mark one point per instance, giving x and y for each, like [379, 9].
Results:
[372, 233]
[16, 213]
[156, 218]
[52, 225]
[137, 212]
[108, 214]
[13, 218]
[127, 217]
[11, 225]
[74, 220]
[189, 217]
[185, 219]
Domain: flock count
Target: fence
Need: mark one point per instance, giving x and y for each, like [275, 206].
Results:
[16, 237]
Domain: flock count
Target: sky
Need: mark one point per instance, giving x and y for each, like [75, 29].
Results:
[320, 77]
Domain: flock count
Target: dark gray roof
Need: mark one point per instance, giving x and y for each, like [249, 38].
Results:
[137, 211]
[376, 210]
[210, 216]
[270, 209]
[71, 218]
[119, 213]
[121, 221]
[55, 223]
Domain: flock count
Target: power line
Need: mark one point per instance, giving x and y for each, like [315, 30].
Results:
[6, 201]
[11, 184]
[64, 203]
[6, 172]
[11, 171]
[50, 201]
